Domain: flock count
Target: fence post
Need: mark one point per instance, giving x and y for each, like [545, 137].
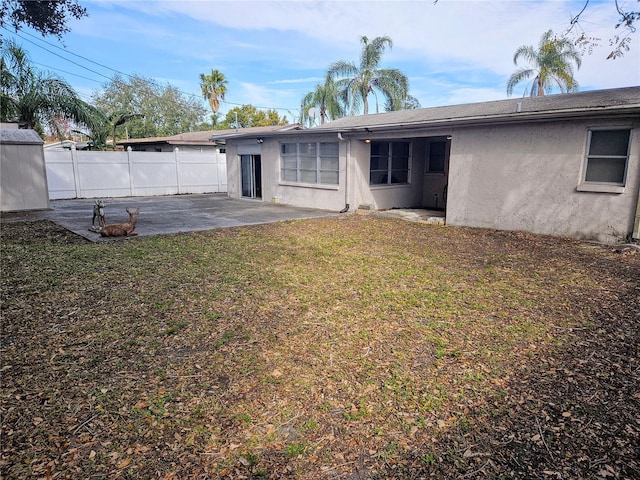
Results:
[131, 183]
[176, 155]
[75, 170]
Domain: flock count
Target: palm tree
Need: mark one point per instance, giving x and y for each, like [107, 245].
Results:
[325, 97]
[106, 125]
[34, 99]
[550, 64]
[117, 118]
[214, 88]
[410, 103]
[356, 82]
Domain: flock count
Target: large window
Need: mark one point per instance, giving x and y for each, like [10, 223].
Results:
[389, 163]
[607, 157]
[313, 162]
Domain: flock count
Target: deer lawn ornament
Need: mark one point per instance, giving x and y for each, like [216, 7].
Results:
[122, 229]
[98, 211]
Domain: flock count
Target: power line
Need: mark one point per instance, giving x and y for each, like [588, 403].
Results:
[74, 54]
[288, 110]
[67, 72]
[58, 55]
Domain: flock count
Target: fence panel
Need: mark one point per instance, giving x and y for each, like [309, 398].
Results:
[82, 174]
[102, 175]
[60, 174]
[154, 173]
[197, 173]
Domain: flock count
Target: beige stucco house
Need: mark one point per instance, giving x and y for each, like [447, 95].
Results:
[566, 165]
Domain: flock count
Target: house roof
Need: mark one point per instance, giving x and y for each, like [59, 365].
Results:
[189, 138]
[619, 101]
[253, 131]
[547, 107]
[207, 137]
[66, 145]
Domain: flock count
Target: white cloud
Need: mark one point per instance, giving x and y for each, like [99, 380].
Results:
[274, 52]
[448, 35]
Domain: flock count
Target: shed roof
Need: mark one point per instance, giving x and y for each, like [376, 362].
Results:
[13, 136]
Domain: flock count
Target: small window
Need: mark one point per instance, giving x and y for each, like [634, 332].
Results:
[607, 157]
[389, 163]
[436, 157]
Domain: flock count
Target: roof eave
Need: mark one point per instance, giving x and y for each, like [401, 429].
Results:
[501, 119]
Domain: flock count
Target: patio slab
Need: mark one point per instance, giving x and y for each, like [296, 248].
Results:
[167, 214]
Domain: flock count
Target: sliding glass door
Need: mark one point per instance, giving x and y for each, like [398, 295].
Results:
[251, 173]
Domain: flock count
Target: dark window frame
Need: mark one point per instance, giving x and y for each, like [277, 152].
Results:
[432, 157]
[394, 166]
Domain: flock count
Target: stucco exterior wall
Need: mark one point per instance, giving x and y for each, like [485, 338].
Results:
[326, 197]
[524, 177]
[358, 192]
[382, 197]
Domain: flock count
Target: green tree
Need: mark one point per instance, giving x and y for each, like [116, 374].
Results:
[161, 110]
[357, 82]
[36, 99]
[550, 64]
[214, 88]
[46, 17]
[249, 116]
[326, 98]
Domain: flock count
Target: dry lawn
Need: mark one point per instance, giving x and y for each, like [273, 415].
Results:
[352, 347]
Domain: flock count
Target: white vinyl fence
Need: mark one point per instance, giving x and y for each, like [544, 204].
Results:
[82, 174]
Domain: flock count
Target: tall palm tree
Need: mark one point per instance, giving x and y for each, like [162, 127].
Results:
[357, 82]
[325, 97]
[35, 99]
[214, 88]
[551, 64]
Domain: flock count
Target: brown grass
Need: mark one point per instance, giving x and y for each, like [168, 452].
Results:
[352, 347]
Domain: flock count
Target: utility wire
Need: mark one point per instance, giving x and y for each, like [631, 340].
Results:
[288, 110]
[67, 72]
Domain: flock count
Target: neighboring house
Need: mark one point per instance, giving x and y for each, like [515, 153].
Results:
[191, 141]
[195, 141]
[66, 145]
[566, 165]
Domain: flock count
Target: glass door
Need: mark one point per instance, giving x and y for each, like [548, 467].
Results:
[251, 173]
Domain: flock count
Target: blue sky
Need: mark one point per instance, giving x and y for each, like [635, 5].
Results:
[274, 52]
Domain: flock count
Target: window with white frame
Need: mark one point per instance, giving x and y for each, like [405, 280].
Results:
[389, 163]
[607, 157]
[310, 162]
